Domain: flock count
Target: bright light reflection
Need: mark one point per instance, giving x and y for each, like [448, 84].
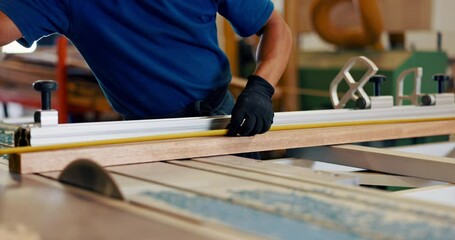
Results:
[15, 47]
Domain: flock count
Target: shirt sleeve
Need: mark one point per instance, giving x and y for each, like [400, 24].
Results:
[246, 16]
[37, 18]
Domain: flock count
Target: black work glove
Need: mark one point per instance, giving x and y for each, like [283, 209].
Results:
[253, 112]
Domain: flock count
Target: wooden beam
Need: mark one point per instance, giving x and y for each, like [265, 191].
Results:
[213, 146]
[441, 149]
[301, 173]
[444, 194]
[291, 76]
[386, 160]
[380, 179]
[279, 170]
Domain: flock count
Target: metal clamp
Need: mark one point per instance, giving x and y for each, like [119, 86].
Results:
[438, 99]
[355, 87]
[46, 116]
[414, 96]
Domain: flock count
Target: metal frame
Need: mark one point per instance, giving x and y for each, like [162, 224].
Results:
[82, 132]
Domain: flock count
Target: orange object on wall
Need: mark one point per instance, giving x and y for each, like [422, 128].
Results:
[366, 33]
[61, 76]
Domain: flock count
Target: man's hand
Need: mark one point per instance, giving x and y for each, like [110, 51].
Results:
[253, 112]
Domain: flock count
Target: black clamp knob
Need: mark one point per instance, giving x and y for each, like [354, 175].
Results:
[428, 100]
[46, 87]
[377, 80]
[361, 103]
[441, 79]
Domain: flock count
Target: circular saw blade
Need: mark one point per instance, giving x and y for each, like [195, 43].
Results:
[88, 175]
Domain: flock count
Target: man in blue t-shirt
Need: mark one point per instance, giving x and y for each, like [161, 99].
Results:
[160, 58]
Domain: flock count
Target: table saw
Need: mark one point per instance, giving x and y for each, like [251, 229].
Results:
[176, 178]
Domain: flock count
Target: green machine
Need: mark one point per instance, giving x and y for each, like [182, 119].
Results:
[318, 69]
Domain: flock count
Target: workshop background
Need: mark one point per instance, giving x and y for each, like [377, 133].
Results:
[411, 33]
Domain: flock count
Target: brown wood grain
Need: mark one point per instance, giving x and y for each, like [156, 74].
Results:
[214, 146]
[290, 76]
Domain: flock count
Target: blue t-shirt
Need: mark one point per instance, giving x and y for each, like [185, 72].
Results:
[151, 57]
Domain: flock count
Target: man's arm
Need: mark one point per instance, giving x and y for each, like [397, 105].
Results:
[8, 30]
[253, 111]
[274, 49]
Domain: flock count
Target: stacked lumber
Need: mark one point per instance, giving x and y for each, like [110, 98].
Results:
[251, 196]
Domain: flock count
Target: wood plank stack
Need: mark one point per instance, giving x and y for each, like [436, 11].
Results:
[246, 196]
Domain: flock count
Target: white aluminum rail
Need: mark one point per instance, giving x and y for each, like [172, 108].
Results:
[83, 132]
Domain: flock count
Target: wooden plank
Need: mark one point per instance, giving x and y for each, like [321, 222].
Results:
[144, 193]
[314, 165]
[137, 194]
[188, 204]
[243, 217]
[442, 149]
[310, 175]
[362, 177]
[385, 160]
[438, 194]
[340, 209]
[303, 183]
[214, 146]
[279, 170]
[33, 206]
[379, 179]
[291, 76]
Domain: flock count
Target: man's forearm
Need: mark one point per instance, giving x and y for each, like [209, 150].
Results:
[274, 49]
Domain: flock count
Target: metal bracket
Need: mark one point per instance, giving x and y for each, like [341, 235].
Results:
[375, 102]
[438, 99]
[355, 87]
[46, 118]
[414, 96]
[427, 99]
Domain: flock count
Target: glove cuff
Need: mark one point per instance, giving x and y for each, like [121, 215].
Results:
[259, 85]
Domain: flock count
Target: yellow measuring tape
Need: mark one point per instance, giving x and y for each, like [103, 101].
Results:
[209, 133]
